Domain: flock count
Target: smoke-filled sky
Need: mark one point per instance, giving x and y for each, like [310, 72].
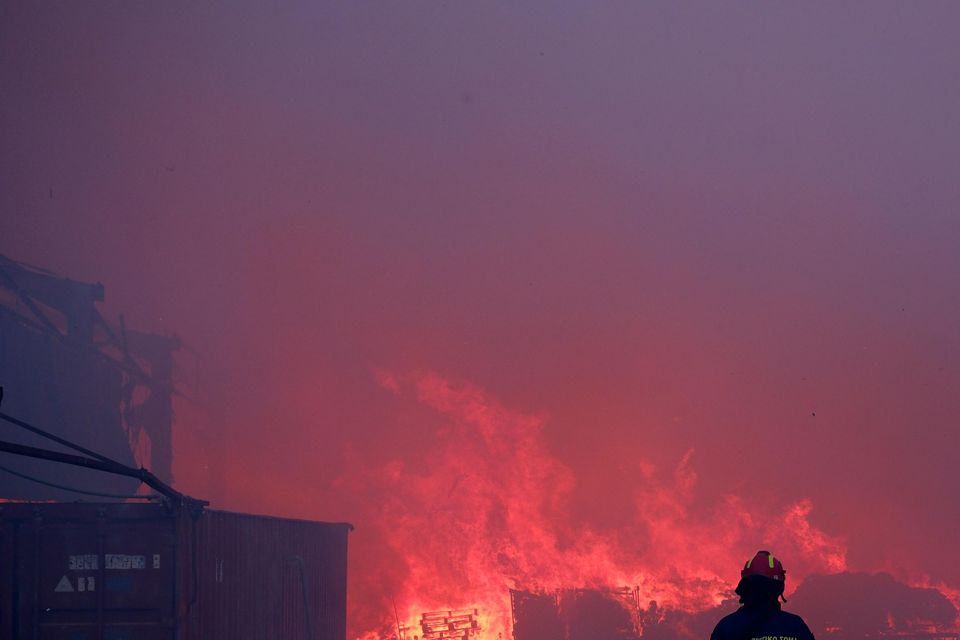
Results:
[720, 239]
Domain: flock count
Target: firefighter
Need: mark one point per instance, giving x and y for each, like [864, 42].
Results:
[760, 616]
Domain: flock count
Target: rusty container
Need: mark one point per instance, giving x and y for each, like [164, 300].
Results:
[119, 571]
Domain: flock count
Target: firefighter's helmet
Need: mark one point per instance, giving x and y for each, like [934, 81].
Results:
[764, 564]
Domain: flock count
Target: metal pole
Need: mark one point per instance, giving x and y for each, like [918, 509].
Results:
[106, 465]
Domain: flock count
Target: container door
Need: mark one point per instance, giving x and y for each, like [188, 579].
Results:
[96, 580]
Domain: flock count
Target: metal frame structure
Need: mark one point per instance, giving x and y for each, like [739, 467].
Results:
[63, 314]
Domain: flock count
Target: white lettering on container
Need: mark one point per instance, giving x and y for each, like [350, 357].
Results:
[122, 561]
[83, 562]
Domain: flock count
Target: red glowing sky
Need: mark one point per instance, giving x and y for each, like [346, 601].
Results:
[658, 229]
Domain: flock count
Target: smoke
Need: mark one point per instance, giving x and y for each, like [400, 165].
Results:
[686, 272]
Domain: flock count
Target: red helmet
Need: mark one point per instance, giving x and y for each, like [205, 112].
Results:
[764, 564]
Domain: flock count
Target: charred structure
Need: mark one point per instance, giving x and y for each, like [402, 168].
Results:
[576, 614]
[157, 566]
[63, 365]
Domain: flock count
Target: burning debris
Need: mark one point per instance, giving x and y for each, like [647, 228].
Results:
[862, 605]
[535, 615]
[570, 614]
[502, 543]
[459, 624]
[501, 538]
[576, 614]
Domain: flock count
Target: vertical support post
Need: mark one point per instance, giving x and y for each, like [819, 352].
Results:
[101, 569]
[35, 605]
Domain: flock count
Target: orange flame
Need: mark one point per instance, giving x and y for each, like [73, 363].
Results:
[485, 510]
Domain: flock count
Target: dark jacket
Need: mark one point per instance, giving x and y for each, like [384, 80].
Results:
[761, 622]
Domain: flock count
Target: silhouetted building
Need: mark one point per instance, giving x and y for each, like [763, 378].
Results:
[65, 369]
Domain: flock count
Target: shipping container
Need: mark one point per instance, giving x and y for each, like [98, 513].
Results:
[126, 571]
